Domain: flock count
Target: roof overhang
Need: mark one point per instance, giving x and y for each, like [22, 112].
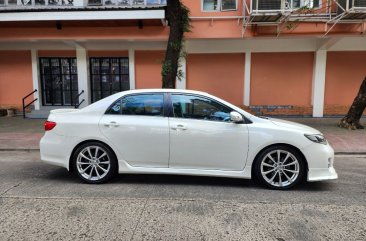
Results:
[82, 15]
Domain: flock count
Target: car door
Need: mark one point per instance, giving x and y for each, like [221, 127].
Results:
[136, 125]
[203, 137]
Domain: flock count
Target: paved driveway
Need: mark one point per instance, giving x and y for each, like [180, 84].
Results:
[42, 202]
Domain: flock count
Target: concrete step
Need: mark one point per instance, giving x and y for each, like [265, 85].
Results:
[44, 112]
[36, 114]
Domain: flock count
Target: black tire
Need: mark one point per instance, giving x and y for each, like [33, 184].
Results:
[262, 168]
[91, 151]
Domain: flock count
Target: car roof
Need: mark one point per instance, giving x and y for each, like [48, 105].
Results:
[163, 90]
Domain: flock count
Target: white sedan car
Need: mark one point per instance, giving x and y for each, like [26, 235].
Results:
[183, 132]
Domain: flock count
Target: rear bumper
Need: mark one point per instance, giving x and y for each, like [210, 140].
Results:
[55, 149]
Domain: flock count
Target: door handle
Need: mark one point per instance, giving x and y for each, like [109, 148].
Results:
[179, 127]
[111, 124]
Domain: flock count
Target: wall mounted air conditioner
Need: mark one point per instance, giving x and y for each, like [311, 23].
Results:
[267, 5]
[351, 5]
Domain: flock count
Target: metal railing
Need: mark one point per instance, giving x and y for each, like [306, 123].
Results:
[79, 3]
[76, 100]
[26, 105]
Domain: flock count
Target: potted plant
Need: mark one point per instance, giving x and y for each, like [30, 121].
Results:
[10, 112]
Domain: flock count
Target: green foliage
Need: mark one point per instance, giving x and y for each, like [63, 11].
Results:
[185, 20]
[166, 67]
[176, 45]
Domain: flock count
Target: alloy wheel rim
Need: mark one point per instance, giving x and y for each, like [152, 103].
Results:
[280, 168]
[93, 163]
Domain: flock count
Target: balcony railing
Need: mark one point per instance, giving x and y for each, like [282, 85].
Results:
[79, 3]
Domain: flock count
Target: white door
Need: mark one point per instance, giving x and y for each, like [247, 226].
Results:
[202, 136]
[137, 127]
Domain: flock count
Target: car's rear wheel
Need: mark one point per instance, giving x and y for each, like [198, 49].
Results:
[279, 167]
[95, 163]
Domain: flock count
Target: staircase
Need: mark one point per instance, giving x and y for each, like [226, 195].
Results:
[44, 111]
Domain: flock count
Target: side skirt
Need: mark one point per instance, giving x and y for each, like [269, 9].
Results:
[125, 168]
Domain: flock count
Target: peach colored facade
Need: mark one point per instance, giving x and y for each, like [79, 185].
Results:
[303, 63]
[148, 69]
[282, 78]
[218, 74]
[346, 70]
[15, 76]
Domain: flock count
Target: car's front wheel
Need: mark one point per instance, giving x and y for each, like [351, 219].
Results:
[94, 163]
[279, 167]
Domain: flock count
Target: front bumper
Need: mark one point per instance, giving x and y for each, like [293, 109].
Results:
[320, 160]
[322, 174]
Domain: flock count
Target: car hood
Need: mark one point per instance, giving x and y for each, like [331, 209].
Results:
[294, 125]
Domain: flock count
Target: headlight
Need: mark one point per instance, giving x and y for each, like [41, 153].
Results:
[317, 138]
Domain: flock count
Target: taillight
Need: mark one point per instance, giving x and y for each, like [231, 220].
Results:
[49, 125]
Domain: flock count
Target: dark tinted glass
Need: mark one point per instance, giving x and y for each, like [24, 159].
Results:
[147, 104]
[196, 107]
[115, 109]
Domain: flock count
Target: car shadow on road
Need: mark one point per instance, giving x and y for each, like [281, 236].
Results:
[61, 175]
[145, 179]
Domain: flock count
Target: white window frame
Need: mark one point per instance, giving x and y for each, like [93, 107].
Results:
[219, 9]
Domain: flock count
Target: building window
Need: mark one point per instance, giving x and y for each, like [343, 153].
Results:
[108, 75]
[59, 81]
[219, 5]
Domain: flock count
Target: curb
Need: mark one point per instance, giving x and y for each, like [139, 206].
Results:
[349, 153]
[19, 149]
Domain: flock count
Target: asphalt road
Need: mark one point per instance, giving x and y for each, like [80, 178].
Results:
[42, 202]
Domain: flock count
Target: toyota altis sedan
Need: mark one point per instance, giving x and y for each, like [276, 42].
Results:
[183, 132]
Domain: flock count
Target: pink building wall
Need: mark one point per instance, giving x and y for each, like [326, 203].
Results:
[281, 78]
[148, 69]
[218, 74]
[345, 72]
[15, 77]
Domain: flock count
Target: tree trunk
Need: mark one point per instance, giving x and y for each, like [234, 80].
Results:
[352, 120]
[177, 16]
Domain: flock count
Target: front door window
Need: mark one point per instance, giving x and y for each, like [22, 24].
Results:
[59, 81]
[200, 108]
[108, 76]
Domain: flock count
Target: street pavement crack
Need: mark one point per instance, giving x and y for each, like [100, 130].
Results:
[7, 190]
[139, 219]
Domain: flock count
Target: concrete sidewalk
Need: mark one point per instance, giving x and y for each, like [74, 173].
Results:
[19, 134]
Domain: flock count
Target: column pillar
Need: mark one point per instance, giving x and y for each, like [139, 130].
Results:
[35, 79]
[83, 76]
[131, 66]
[320, 64]
[247, 69]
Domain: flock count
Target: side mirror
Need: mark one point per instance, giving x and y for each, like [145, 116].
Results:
[236, 117]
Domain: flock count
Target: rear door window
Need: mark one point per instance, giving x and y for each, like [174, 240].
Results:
[143, 104]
